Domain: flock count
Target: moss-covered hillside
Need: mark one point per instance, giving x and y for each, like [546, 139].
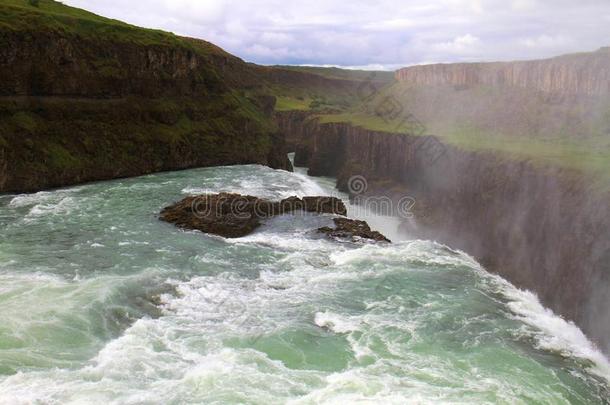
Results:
[570, 132]
[87, 98]
[322, 90]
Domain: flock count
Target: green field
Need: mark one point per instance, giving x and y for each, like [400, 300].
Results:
[372, 122]
[491, 120]
[590, 155]
[344, 74]
[320, 89]
[285, 103]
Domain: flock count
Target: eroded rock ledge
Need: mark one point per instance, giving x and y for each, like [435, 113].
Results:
[235, 215]
[352, 229]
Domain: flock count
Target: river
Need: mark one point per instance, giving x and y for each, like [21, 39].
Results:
[103, 303]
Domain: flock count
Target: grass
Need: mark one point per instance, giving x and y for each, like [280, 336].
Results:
[306, 96]
[572, 136]
[57, 8]
[285, 103]
[53, 16]
[25, 120]
[373, 122]
[84, 138]
[588, 155]
[320, 89]
[344, 74]
[61, 158]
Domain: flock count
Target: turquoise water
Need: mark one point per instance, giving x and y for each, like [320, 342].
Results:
[102, 303]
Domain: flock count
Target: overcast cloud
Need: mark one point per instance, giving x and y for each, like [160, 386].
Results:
[381, 34]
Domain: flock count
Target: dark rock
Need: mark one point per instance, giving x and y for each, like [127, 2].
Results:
[325, 205]
[213, 214]
[302, 155]
[235, 215]
[351, 229]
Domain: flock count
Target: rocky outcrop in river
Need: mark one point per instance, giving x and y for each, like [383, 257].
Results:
[235, 215]
[353, 230]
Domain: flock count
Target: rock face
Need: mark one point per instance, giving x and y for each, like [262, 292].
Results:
[235, 215]
[100, 100]
[578, 74]
[353, 230]
[546, 230]
[292, 126]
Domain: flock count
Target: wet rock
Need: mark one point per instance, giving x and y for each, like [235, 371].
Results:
[325, 205]
[352, 229]
[213, 214]
[236, 215]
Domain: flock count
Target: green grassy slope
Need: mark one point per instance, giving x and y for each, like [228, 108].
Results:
[571, 133]
[343, 74]
[317, 89]
[86, 98]
[48, 15]
[22, 15]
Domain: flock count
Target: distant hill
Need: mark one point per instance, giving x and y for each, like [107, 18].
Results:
[344, 74]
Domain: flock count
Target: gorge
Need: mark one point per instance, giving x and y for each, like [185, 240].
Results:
[491, 277]
[545, 230]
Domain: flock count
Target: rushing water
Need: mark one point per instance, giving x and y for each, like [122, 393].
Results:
[102, 303]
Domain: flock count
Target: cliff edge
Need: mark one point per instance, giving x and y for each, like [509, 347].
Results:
[574, 74]
[86, 98]
[544, 228]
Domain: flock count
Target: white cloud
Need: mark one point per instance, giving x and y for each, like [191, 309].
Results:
[524, 5]
[471, 6]
[465, 44]
[381, 33]
[548, 41]
[276, 38]
[391, 25]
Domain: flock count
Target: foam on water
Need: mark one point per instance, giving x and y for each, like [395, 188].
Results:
[280, 316]
[42, 197]
[261, 182]
[551, 331]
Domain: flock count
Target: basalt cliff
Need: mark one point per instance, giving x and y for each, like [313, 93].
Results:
[85, 98]
[576, 74]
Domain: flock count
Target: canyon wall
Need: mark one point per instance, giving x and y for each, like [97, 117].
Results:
[543, 229]
[100, 100]
[576, 74]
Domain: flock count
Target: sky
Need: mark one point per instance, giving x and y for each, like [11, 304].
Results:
[375, 34]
